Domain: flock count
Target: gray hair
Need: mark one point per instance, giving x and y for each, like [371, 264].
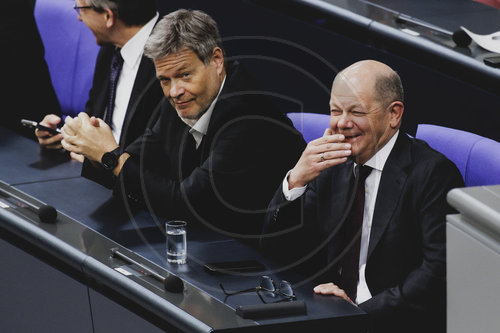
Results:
[184, 29]
[388, 89]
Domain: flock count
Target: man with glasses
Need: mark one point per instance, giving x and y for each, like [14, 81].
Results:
[374, 200]
[125, 91]
[218, 157]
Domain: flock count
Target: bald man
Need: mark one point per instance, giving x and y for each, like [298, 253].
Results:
[374, 200]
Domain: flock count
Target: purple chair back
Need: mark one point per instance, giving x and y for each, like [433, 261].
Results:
[311, 125]
[484, 164]
[477, 157]
[70, 52]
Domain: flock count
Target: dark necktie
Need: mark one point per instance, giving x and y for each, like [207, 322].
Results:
[352, 234]
[190, 156]
[116, 68]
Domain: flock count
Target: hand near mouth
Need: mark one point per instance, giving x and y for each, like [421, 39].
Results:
[320, 154]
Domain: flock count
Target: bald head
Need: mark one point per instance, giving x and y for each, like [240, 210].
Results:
[378, 80]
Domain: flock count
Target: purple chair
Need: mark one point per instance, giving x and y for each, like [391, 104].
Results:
[484, 164]
[70, 52]
[477, 157]
[311, 125]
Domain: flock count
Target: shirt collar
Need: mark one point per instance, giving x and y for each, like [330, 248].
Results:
[378, 160]
[133, 49]
[200, 127]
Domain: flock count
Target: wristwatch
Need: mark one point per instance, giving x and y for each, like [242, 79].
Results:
[110, 159]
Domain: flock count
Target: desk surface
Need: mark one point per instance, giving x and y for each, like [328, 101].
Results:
[374, 23]
[22, 161]
[91, 223]
[447, 14]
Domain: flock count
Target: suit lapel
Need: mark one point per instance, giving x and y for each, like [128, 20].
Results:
[389, 192]
[223, 111]
[101, 87]
[146, 76]
[100, 108]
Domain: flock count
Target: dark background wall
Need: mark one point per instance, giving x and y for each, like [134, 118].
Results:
[25, 87]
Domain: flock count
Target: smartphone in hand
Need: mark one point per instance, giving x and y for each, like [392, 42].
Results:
[34, 124]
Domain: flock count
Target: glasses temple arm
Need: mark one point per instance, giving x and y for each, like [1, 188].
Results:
[235, 292]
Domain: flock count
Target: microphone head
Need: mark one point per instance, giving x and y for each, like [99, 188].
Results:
[47, 214]
[461, 38]
[173, 284]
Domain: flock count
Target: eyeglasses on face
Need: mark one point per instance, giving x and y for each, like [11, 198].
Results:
[267, 285]
[78, 8]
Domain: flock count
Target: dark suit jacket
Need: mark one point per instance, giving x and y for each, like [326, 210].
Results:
[226, 183]
[406, 265]
[142, 110]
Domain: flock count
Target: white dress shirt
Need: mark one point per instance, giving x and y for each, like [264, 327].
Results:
[131, 53]
[372, 182]
[199, 127]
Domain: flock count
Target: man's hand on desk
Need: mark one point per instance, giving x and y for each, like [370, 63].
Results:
[332, 289]
[47, 140]
[90, 137]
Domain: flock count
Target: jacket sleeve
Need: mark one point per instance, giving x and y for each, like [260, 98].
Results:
[246, 159]
[290, 235]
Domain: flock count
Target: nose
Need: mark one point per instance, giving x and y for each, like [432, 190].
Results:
[344, 121]
[176, 89]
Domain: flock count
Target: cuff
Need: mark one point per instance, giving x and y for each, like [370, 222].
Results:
[294, 193]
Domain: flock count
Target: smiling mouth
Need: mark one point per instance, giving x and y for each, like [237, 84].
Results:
[350, 137]
[183, 102]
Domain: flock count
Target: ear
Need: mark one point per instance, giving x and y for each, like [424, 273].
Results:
[396, 109]
[218, 59]
[110, 17]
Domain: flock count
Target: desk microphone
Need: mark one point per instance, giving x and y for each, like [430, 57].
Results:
[461, 38]
[171, 283]
[46, 213]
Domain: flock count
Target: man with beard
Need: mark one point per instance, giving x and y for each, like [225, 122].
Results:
[217, 155]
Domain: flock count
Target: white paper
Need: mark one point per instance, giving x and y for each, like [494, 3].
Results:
[123, 271]
[489, 42]
[410, 32]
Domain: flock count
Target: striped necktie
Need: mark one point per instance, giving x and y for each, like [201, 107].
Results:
[116, 68]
